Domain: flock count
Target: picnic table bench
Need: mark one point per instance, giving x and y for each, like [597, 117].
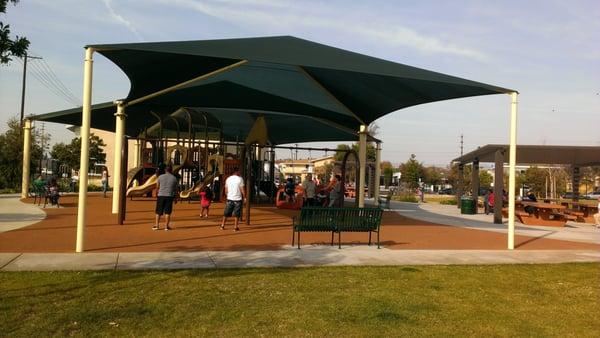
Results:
[319, 219]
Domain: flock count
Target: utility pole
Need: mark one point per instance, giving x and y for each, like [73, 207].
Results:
[461, 145]
[23, 90]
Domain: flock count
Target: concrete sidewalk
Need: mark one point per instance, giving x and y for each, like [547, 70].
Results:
[15, 214]
[288, 257]
[450, 215]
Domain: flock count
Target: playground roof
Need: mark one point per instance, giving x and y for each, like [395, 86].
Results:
[537, 154]
[281, 75]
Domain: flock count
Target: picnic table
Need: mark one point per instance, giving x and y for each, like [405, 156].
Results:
[584, 210]
[546, 214]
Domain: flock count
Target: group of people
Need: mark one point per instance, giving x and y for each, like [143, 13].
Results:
[329, 196]
[167, 185]
[490, 198]
[50, 188]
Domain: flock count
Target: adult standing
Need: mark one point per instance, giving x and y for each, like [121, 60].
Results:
[597, 215]
[335, 191]
[234, 190]
[310, 190]
[74, 180]
[105, 180]
[167, 188]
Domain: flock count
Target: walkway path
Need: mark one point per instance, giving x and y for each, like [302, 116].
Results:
[15, 214]
[288, 257]
[450, 215]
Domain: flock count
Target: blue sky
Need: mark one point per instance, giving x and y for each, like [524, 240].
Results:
[547, 50]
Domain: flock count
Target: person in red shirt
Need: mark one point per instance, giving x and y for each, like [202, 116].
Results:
[205, 200]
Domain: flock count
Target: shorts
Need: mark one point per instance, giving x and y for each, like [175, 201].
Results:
[164, 205]
[233, 208]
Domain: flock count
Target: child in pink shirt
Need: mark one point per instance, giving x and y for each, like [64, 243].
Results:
[205, 199]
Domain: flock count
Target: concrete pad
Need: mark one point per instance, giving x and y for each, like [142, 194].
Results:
[63, 261]
[164, 260]
[6, 258]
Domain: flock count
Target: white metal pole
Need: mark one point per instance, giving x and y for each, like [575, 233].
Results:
[377, 173]
[119, 135]
[512, 161]
[85, 147]
[136, 154]
[362, 158]
[26, 157]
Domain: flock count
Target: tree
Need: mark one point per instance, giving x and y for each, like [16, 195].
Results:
[8, 47]
[412, 170]
[11, 155]
[69, 154]
[485, 179]
[388, 172]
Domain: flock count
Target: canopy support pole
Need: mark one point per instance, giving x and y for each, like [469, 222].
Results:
[136, 154]
[511, 173]
[85, 147]
[185, 83]
[475, 182]
[118, 166]
[460, 181]
[362, 160]
[26, 157]
[377, 173]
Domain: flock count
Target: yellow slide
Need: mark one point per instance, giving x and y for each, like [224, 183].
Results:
[195, 190]
[143, 189]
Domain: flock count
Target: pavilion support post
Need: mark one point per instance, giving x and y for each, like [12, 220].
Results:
[377, 173]
[475, 182]
[576, 177]
[85, 148]
[26, 157]
[512, 161]
[117, 166]
[362, 159]
[459, 184]
[136, 154]
[498, 185]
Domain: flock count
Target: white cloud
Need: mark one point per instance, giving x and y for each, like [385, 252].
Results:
[287, 16]
[120, 19]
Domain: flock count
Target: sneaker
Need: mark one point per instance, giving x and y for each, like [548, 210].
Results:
[236, 229]
[155, 227]
[167, 228]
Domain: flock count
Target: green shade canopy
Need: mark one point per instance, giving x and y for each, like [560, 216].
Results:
[296, 82]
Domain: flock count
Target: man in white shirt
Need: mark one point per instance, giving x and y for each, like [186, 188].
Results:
[597, 215]
[310, 190]
[234, 190]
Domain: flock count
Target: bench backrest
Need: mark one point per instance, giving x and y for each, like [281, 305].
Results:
[342, 219]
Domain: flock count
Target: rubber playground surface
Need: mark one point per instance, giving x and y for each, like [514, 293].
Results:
[270, 229]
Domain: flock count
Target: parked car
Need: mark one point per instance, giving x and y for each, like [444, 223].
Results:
[446, 191]
[568, 195]
[593, 196]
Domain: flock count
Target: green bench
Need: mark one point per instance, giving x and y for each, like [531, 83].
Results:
[319, 219]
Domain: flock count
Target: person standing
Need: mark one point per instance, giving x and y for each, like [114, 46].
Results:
[234, 190]
[597, 215]
[205, 200]
[335, 191]
[310, 190]
[167, 188]
[486, 201]
[104, 181]
[74, 180]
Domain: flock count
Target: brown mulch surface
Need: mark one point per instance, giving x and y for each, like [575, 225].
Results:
[270, 229]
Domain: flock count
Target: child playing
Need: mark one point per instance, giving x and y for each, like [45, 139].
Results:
[205, 199]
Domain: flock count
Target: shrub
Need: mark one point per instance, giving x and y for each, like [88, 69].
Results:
[448, 201]
[405, 197]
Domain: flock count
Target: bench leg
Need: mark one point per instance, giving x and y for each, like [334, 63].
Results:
[378, 246]
[369, 238]
[293, 236]
[332, 238]
[339, 239]
[298, 240]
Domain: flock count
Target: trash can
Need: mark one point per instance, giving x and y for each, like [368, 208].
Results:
[467, 206]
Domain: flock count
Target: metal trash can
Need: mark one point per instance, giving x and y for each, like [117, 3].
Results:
[467, 205]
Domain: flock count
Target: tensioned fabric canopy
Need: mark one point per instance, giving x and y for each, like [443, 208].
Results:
[281, 75]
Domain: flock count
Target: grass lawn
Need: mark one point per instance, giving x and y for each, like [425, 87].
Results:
[502, 300]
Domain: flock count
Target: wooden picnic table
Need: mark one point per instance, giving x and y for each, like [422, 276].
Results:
[588, 208]
[547, 214]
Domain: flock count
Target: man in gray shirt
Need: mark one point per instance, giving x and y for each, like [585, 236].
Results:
[167, 188]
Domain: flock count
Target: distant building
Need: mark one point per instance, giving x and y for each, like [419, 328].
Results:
[298, 169]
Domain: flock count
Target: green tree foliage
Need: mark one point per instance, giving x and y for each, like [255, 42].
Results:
[411, 171]
[388, 172]
[69, 154]
[9, 47]
[371, 152]
[11, 155]
[485, 179]
[433, 175]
